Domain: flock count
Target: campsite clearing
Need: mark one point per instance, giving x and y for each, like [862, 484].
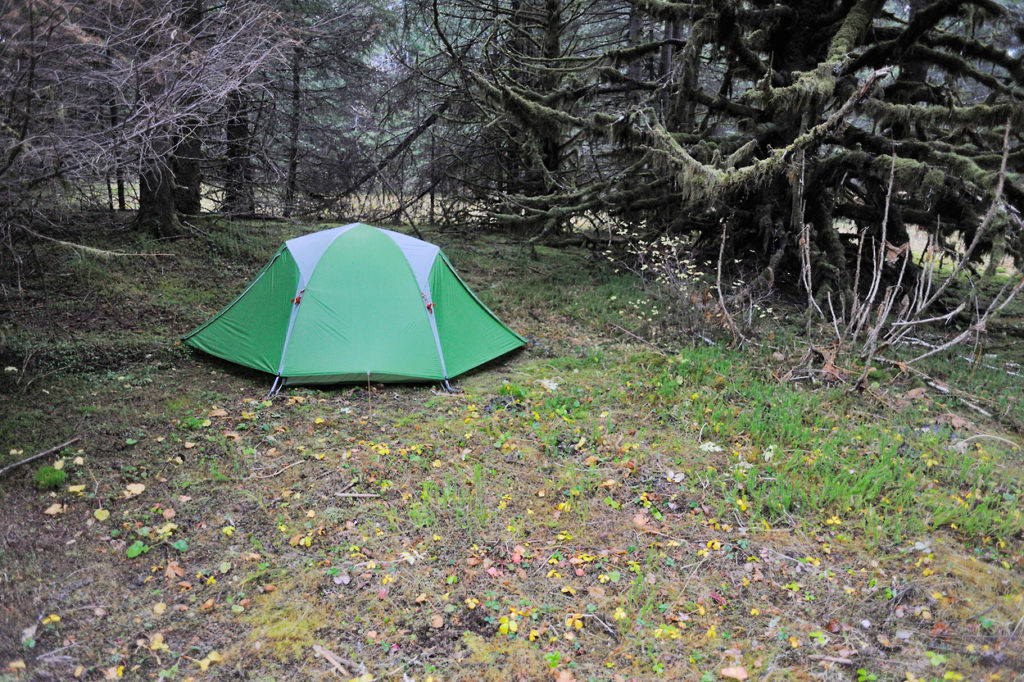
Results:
[604, 504]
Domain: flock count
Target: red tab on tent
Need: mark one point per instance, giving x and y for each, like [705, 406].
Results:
[298, 299]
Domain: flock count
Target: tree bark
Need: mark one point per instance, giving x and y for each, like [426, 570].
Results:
[118, 166]
[188, 150]
[295, 119]
[157, 213]
[188, 174]
[239, 196]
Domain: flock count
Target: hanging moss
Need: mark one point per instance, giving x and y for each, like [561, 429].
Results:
[852, 29]
[978, 116]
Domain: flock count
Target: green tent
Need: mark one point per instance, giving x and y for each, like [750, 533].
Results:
[356, 303]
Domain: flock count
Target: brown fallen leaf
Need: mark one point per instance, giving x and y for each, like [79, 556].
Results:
[437, 621]
[641, 521]
[207, 605]
[168, 513]
[173, 570]
[736, 672]
[564, 675]
[55, 508]
[217, 412]
[134, 489]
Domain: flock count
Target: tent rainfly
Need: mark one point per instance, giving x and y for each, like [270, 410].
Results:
[356, 303]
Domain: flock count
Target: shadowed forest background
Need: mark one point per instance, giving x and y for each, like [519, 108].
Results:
[803, 135]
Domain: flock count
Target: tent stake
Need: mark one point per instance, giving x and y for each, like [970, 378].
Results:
[274, 388]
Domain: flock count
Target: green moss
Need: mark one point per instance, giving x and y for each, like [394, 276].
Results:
[48, 478]
[285, 629]
[852, 28]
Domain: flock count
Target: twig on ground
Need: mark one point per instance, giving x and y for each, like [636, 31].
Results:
[44, 453]
[832, 659]
[638, 338]
[337, 662]
[280, 471]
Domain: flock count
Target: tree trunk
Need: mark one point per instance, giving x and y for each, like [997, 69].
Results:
[118, 167]
[156, 194]
[239, 196]
[188, 150]
[187, 174]
[293, 134]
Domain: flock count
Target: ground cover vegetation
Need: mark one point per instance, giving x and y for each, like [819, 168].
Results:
[610, 503]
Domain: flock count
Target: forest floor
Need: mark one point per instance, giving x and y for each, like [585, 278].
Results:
[606, 504]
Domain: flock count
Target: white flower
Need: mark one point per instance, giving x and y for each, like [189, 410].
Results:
[549, 385]
[709, 446]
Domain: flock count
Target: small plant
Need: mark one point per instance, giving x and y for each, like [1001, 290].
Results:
[136, 548]
[48, 478]
[865, 676]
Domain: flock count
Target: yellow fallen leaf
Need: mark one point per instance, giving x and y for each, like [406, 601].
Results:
[52, 618]
[101, 514]
[133, 489]
[156, 643]
[54, 509]
[231, 435]
[189, 445]
[15, 666]
[160, 608]
[212, 657]
[76, 489]
[59, 464]
[79, 461]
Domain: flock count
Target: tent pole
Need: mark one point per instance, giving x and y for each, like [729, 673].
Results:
[274, 388]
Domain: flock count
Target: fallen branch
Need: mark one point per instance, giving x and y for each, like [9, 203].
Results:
[832, 659]
[280, 471]
[105, 254]
[337, 662]
[44, 453]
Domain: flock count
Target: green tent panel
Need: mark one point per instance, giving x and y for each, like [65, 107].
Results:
[457, 308]
[356, 303]
[252, 329]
